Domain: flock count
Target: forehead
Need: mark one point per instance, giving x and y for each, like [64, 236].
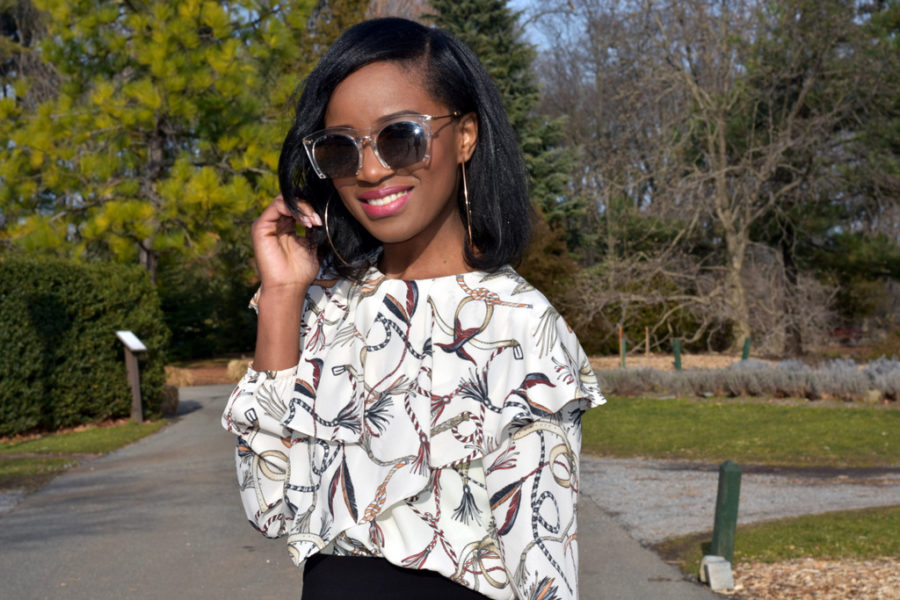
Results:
[378, 90]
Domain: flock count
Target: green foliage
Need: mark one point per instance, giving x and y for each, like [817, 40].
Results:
[745, 432]
[160, 144]
[331, 18]
[489, 28]
[165, 132]
[548, 265]
[204, 304]
[830, 223]
[61, 361]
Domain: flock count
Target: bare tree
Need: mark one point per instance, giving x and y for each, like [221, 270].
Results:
[694, 114]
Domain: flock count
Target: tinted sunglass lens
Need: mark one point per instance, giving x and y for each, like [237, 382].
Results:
[336, 156]
[402, 144]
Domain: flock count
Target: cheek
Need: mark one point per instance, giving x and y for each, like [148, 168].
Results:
[347, 192]
[443, 169]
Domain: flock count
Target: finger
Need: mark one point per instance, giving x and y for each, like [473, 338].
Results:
[275, 212]
[307, 214]
[280, 208]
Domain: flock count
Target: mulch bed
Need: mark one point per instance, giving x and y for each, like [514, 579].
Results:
[814, 579]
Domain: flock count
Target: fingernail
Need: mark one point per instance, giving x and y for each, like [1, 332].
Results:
[305, 222]
[317, 220]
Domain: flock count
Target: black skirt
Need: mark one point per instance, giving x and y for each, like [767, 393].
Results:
[328, 577]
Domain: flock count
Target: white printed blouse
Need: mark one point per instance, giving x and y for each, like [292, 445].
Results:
[435, 423]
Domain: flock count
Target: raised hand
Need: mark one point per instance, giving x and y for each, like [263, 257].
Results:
[283, 258]
[287, 266]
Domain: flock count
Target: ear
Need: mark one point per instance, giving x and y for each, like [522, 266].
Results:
[468, 136]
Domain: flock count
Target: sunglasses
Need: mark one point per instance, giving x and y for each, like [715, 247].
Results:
[400, 142]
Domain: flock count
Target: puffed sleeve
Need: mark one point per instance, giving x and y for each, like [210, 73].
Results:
[254, 413]
[532, 481]
[531, 474]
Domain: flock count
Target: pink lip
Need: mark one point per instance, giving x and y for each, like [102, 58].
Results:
[385, 210]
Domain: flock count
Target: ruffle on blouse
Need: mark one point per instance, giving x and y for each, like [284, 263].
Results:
[437, 369]
[398, 378]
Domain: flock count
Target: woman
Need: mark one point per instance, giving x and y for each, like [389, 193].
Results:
[423, 441]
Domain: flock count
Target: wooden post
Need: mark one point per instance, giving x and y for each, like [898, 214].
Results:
[134, 380]
[677, 348]
[622, 346]
[647, 341]
[727, 500]
[132, 346]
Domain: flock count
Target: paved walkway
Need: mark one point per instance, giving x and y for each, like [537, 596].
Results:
[162, 519]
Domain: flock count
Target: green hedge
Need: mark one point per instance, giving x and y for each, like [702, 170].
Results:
[60, 361]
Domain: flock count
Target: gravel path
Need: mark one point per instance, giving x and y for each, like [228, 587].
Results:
[657, 499]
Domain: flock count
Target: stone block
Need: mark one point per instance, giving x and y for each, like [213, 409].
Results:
[715, 571]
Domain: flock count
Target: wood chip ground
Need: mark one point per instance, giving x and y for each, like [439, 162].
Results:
[666, 362]
[814, 579]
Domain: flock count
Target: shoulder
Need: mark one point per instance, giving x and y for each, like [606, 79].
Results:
[507, 286]
[517, 309]
[511, 297]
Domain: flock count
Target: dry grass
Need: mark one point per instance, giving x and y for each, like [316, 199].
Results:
[237, 368]
[208, 372]
[179, 377]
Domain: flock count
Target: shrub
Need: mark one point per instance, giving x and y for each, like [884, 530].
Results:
[841, 379]
[61, 362]
[884, 375]
[204, 304]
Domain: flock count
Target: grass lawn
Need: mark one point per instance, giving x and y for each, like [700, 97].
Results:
[745, 431]
[31, 463]
[762, 433]
[859, 535]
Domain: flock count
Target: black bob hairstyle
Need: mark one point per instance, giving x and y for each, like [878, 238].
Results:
[498, 197]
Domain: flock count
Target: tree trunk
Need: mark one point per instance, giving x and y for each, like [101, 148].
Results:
[793, 337]
[736, 241]
[148, 259]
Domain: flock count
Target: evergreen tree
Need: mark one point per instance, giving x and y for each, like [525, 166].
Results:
[165, 130]
[490, 28]
[331, 18]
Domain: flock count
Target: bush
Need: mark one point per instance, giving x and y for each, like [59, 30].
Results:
[884, 375]
[61, 362]
[839, 379]
[204, 304]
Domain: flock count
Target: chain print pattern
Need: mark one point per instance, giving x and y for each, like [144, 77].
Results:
[434, 423]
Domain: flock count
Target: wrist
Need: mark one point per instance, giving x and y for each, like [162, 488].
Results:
[278, 328]
[283, 292]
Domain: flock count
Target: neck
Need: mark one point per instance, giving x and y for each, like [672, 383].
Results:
[441, 255]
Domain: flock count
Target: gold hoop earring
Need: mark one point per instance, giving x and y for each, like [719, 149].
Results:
[328, 235]
[468, 208]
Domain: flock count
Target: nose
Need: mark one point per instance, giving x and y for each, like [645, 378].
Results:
[372, 170]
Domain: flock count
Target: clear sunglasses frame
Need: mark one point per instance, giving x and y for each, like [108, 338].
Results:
[422, 121]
